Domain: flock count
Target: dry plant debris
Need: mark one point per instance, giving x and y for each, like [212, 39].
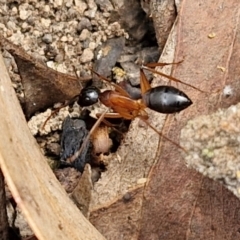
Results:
[66, 32]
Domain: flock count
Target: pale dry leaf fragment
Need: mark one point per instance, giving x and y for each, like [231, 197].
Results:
[211, 35]
[223, 69]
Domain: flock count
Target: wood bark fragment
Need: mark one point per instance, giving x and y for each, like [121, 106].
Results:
[46, 206]
[3, 212]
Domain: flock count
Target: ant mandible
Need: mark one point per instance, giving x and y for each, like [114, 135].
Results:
[163, 99]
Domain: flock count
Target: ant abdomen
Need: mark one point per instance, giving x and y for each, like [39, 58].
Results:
[166, 99]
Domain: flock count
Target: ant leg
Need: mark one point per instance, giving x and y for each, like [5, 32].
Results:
[117, 87]
[159, 64]
[150, 66]
[110, 115]
[116, 115]
[172, 78]
[144, 83]
[168, 139]
[58, 109]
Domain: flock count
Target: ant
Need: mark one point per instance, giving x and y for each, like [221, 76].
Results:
[163, 99]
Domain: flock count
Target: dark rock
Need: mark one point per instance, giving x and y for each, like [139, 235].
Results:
[73, 136]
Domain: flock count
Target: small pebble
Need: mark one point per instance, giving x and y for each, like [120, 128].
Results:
[47, 38]
[81, 6]
[64, 39]
[24, 14]
[87, 55]
[45, 22]
[84, 35]
[84, 24]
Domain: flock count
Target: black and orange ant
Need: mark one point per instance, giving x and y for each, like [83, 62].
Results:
[163, 99]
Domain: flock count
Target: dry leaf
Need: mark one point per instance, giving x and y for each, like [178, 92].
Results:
[43, 86]
[179, 203]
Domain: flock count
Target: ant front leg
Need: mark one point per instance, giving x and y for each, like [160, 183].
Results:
[112, 116]
[159, 64]
[56, 110]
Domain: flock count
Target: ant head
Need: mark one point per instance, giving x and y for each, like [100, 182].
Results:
[88, 96]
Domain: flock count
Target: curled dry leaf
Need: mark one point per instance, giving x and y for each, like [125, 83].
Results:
[43, 86]
[82, 193]
[101, 141]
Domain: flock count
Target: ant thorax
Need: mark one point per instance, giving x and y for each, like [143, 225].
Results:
[98, 108]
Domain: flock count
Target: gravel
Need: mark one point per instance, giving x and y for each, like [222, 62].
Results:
[73, 29]
[63, 34]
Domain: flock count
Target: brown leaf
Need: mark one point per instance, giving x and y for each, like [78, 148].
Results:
[179, 203]
[129, 205]
[43, 86]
